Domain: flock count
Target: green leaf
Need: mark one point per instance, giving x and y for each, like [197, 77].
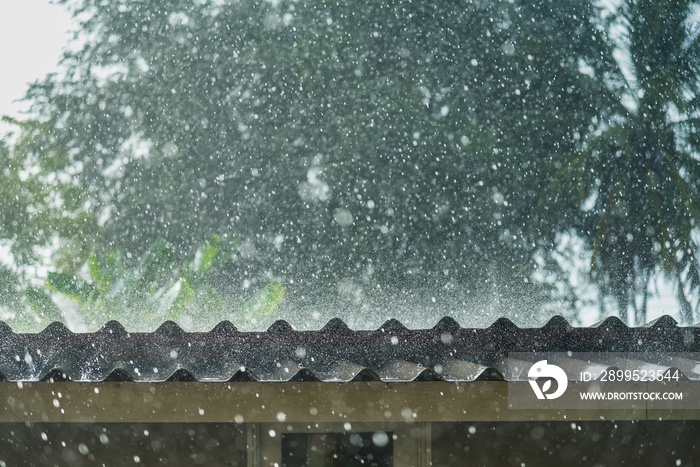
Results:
[114, 270]
[41, 303]
[98, 274]
[67, 285]
[265, 301]
[227, 245]
[184, 297]
[206, 253]
[155, 265]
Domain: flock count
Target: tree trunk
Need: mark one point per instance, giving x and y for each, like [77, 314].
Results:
[641, 311]
[686, 308]
[622, 305]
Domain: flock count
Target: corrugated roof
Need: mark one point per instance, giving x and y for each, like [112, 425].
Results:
[334, 353]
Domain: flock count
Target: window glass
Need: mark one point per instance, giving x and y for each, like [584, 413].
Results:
[341, 449]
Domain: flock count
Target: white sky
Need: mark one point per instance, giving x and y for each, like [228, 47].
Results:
[32, 36]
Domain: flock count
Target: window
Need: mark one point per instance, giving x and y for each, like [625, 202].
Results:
[356, 449]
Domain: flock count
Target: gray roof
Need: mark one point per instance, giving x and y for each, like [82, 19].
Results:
[334, 353]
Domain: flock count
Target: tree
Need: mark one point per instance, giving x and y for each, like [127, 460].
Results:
[10, 290]
[637, 176]
[395, 144]
[39, 201]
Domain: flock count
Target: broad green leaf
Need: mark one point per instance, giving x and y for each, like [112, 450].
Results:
[115, 271]
[98, 274]
[114, 264]
[228, 245]
[184, 296]
[155, 265]
[41, 303]
[206, 253]
[67, 285]
[265, 301]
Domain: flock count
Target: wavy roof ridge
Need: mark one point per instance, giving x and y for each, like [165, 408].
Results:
[169, 327]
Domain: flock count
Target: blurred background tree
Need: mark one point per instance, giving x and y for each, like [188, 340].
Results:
[385, 150]
[637, 178]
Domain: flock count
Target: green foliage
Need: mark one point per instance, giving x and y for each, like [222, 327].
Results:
[394, 145]
[265, 301]
[40, 200]
[640, 170]
[401, 110]
[10, 288]
[157, 288]
[42, 305]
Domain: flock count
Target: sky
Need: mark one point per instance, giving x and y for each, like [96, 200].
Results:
[32, 36]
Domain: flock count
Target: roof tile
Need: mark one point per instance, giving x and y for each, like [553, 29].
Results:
[392, 353]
